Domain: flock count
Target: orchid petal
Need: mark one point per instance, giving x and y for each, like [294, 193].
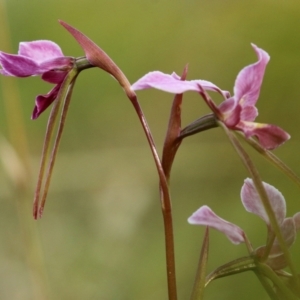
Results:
[249, 113]
[252, 202]
[19, 66]
[61, 63]
[54, 76]
[275, 262]
[249, 80]
[42, 102]
[173, 84]
[205, 216]
[40, 51]
[288, 231]
[230, 112]
[269, 136]
[22, 66]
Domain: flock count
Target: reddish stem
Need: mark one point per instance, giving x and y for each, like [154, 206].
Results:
[165, 204]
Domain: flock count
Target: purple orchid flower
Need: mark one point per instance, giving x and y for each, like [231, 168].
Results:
[237, 112]
[252, 203]
[43, 58]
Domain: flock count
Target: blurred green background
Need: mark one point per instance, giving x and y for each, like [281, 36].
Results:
[101, 236]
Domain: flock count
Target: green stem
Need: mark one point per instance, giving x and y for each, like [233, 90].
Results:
[266, 284]
[56, 145]
[48, 136]
[268, 155]
[269, 273]
[262, 193]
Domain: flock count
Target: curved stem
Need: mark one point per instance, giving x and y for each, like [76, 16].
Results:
[165, 204]
[269, 273]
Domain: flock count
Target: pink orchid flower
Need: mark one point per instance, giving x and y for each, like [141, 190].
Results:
[237, 112]
[43, 58]
[252, 203]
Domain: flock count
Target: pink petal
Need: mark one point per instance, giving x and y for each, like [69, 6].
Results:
[249, 113]
[54, 76]
[275, 262]
[252, 203]
[19, 66]
[22, 66]
[173, 84]
[62, 63]
[205, 216]
[269, 136]
[230, 112]
[42, 102]
[40, 51]
[249, 80]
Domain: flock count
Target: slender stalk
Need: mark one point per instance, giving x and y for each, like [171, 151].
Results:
[268, 272]
[55, 147]
[263, 195]
[48, 137]
[266, 284]
[271, 157]
[165, 204]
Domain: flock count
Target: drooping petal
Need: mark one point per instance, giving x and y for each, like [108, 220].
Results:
[249, 80]
[173, 84]
[269, 136]
[252, 202]
[42, 102]
[205, 216]
[54, 76]
[40, 51]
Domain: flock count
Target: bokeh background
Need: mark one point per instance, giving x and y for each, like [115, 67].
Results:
[101, 236]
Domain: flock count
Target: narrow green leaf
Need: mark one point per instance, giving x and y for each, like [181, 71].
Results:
[199, 285]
